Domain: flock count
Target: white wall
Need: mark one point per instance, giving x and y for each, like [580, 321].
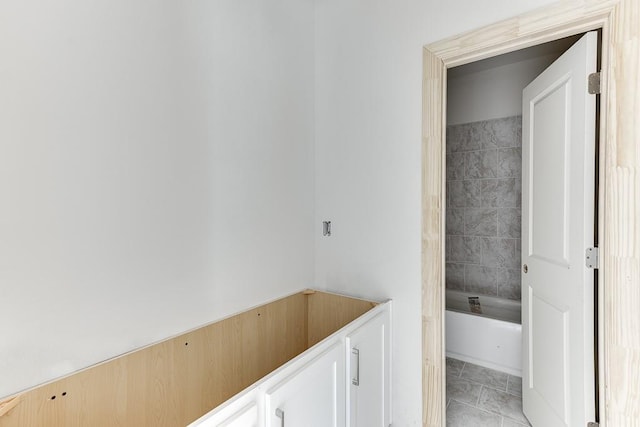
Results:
[494, 92]
[157, 167]
[156, 171]
[368, 122]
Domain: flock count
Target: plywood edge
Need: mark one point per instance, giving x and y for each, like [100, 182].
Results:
[8, 404]
[347, 297]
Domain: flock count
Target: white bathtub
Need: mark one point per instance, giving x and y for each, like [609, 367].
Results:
[492, 339]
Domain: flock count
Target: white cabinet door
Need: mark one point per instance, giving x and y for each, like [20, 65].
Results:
[313, 396]
[242, 411]
[368, 376]
[246, 417]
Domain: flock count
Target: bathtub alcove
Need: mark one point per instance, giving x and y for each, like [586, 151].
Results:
[483, 226]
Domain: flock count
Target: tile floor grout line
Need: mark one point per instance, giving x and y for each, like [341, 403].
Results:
[486, 385]
[503, 390]
[516, 421]
[486, 411]
[479, 394]
[497, 389]
[459, 374]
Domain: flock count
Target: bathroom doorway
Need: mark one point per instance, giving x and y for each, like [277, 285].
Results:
[484, 223]
[617, 177]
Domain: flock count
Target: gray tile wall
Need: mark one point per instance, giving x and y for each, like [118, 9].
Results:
[484, 173]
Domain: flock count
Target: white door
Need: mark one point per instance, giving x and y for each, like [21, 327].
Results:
[313, 396]
[368, 374]
[558, 143]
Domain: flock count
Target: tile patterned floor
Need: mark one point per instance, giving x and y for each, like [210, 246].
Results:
[482, 397]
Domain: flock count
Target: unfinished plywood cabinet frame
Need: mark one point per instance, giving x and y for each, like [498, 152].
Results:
[619, 177]
[174, 382]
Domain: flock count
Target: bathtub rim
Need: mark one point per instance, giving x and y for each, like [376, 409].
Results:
[504, 304]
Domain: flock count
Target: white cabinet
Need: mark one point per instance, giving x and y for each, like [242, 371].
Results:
[242, 411]
[368, 347]
[313, 396]
[246, 417]
[343, 381]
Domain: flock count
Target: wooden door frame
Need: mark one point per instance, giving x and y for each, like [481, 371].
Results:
[619, 188]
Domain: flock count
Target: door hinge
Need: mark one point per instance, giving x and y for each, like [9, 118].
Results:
[592, 424]
[594, 83]
[592, 257]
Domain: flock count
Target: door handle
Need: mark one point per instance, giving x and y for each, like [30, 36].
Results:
[525, 268]
[356, 380]
[280, 414]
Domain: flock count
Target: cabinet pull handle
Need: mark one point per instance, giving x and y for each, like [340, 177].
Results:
[356, 380]
[280, 414]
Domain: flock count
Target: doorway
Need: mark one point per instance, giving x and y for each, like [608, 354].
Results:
[616, 174]
[484, 166]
